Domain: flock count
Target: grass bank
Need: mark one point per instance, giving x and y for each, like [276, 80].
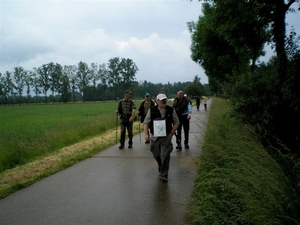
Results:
[238, 182]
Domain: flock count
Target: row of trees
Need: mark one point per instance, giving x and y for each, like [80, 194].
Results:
[227, 42]
[67, 81]
[84, 82]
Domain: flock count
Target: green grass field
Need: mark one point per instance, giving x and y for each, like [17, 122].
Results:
[28, 132]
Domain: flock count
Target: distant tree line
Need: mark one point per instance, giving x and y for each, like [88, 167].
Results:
[53, 82]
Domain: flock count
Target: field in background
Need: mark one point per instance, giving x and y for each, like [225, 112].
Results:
[28, 132]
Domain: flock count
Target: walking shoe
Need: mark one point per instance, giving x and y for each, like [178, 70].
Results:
[178, 147]
[186, 146]
[129, 146]
[121, 146]
[164, 178]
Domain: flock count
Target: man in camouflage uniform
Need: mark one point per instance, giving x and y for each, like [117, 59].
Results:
[126, 109]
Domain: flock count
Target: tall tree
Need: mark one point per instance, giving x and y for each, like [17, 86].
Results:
[71, 71]
[128, 72]
[65, 88]
[121, 74]
[95, 76]
[34, 77]
[27, 82]
[103, 75]
[113, 75]
[1, 86]
[3, 93]
[224, 47]
[55, 78]
[195, 88]
[9, 87]
[19, 75]
[44, 73]
[83, 76]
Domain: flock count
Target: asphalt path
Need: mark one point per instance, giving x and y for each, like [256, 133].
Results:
[113, 187]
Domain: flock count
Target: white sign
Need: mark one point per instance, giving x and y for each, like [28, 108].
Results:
[159, 128]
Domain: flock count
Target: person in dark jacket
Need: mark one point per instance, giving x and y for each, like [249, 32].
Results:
[198, 103]
[181, 104]
[126, 110]
[162, 121]
[144, 107]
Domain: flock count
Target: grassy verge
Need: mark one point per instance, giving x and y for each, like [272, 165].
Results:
[238, 182]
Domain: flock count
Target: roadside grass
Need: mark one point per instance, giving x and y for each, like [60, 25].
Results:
[32, 131]
[238, 181]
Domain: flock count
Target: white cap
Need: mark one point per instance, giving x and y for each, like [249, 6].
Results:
[161, 97]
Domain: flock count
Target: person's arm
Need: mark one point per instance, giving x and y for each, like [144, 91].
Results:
[176, 122]
[190, 111]
[132, 112]
[183, 105]
[119, 110]
[147, 121]
[140, 109]
[174, 128]
[132, 115]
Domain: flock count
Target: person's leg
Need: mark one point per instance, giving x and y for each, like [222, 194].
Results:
[178, 137]
[122, 136]
[155, 149]
[147, 142]
[179, 131]
[130, 134]
[166, 147]
[186, 128]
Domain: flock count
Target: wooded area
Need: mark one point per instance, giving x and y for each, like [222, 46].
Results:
[53, 82]
[227, 42]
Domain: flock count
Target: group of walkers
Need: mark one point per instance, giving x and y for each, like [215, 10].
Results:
[161, 122]
[204, 103]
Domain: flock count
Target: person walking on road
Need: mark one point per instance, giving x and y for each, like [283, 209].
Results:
[205, 104]
[126, 110]
[180, 104]
[185, 123]
[162, 121]
[198, 103]
[143, 109]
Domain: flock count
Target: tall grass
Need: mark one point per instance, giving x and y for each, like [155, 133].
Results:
[32, 131]
[238, 182]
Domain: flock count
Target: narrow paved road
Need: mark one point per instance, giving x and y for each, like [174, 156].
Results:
[113, 187]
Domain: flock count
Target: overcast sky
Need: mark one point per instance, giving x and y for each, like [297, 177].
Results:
[153, 34]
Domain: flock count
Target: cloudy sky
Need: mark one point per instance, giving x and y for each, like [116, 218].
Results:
[152, 33]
